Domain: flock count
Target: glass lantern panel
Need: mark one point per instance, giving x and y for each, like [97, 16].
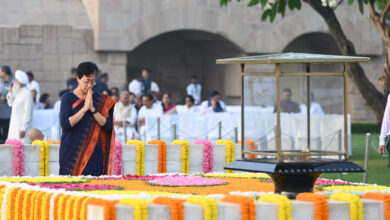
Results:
[327, 114]
[259, 117]
[325, 135]
[294, 133]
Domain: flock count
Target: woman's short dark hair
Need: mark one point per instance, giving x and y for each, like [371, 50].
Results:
[190, 97]
[43, 97]
[86, 69]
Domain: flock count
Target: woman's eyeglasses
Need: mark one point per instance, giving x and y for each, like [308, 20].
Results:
[92, 82]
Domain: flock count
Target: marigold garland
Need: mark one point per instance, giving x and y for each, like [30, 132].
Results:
[210, 207]
[176, 206]
[208, 155]
[251, 146]
[18, 156]
[284, 205]
[321, 208]
[109, 207]
[44, 161]
[385, 197]
[140, 207]
[118, 158]
[355, 204]
[162, 155]
[140, 158]
[230, 147]
[247, 205]
[185, 155]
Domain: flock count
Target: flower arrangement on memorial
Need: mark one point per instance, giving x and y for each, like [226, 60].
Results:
[229, 152]
[321, 208]
[210, 207]
[176, 206]
[140, 155]
[44, 157]
[64, 198]
[247, 205]
[162, 155]
[18, 156]
[284, 205]
[185, 180]
[380, 197]
[140, 207]
[251, 146]
[355, 204]
[118, 158]
[208, 155]
[185, 155]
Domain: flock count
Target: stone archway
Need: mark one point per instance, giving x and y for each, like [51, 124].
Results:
[175, 56]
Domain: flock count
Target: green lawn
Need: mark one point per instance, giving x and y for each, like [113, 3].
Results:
[378, 172]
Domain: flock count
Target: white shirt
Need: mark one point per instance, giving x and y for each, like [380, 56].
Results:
[135, 87]
[33, 85]
[22, 113]
[186, 110]
[315, 109]
[155, 111]
[195, 90]
[154, 87]
[125, 112]
[208, 109]
[57, 106]
[385, 130]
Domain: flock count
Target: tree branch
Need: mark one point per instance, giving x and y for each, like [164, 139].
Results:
[375, 99]
[384, 12]
[338, 4]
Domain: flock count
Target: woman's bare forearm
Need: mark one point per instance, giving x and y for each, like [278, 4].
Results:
[74, 119]
[100, 119]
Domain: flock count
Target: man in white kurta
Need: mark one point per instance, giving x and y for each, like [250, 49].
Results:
[147, 110]
[21, 101]
[195, 90]
[125, 113]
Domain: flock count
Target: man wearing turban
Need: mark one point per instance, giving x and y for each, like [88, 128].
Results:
[20, 99]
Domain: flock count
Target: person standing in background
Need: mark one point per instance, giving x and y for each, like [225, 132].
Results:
[33, 84]
[194, 89]
[6, 79]
[72, 83]
[20, 99]
[101, 83]
[135, 86]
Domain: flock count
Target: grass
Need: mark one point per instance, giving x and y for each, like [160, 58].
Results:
[378, 172]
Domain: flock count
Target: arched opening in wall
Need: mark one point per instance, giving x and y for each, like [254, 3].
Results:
[174, 57]
[327, 91]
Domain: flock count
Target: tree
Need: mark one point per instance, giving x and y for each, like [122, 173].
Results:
[374, 98]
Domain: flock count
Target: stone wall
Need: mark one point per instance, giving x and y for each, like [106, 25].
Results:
[50, 51]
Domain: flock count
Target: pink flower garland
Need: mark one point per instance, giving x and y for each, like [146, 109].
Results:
[118, 158]
[18, 156]
[183, 180]
[75, 186]
[208, 156]
[128, 177]
[321, 181]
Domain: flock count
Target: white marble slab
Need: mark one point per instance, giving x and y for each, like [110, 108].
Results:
[54, 159]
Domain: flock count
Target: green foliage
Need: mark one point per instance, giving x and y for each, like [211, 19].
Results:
[271, 9]
[378, 172]
[365, 127]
